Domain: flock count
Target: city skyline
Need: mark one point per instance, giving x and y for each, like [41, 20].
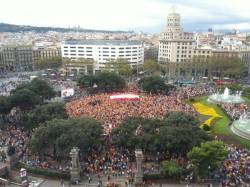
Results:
[140, 15]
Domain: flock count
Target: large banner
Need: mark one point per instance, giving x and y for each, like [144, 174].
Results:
[67, 92]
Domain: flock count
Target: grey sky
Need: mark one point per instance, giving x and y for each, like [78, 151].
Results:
[145, 15]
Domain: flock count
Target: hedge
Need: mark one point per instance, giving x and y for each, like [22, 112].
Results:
[44, 172]
[153, 177]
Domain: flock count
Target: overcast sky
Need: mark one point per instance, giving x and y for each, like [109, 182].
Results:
[138, 15]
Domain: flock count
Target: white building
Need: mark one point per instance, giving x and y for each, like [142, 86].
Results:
[102, 51]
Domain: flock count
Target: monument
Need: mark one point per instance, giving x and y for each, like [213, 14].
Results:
[226, 97]
[75, 165]
[139, 172]
[241, 127]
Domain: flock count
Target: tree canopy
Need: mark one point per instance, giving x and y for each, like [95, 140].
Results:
[208, 156]
[105, 81]
[119, 66]
[44, 113]
[151, 66]
[58, 136]
[53, 62]
[224, 66]
[5, 105]
[159, 135]
[155, 84]
[24, 98]
[39, 87]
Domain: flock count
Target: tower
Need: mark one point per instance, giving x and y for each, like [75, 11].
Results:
[175, 45]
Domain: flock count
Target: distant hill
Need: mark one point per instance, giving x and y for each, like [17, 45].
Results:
[4, 27]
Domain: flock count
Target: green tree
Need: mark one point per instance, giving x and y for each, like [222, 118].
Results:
[155, 84]
[151, 66]
[39, 87]
[246, 92]
[58, 136]
[180, 118]
[171, 169]
[225, 66]
[43, 113]
[51, 63]
[24, 98]
[154, 135]
[106, 81]
[119, 66]
[208, 157]
[5, 105]
[86, 81]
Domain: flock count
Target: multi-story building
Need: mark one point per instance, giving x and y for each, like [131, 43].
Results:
[40, 54]
[102, 51]
[16, 58]
[186, 56]
[175, 46]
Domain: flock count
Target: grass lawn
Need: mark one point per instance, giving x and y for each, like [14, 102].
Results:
[220, 126]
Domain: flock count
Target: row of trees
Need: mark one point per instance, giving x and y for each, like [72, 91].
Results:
[48, 63]
[205, 158]
[176, 134]
[57, 137]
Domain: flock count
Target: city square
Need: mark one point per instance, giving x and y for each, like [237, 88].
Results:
[123, 108]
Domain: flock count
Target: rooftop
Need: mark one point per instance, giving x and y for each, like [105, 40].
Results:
[103, 42]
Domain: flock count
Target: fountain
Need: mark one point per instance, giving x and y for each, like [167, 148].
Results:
[241, 127]
[226, 97]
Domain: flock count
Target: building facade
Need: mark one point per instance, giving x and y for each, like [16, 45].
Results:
[16, 58]
[175, 46]
[41, 54]
[102, 51]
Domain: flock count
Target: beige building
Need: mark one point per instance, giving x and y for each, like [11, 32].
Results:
[40, 54]
[175, 46]
[16, 58]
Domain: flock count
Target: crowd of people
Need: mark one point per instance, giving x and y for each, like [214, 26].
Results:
[234, 110]
[7, 85]
[111, 161]
[236, 168]
[193, 91]
[12, 136]
[112, 112]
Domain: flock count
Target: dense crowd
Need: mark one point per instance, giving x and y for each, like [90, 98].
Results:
[106, 160]
[234, 110]
[12, 136]
[112, 112]
[193, 91]
[236, 168]
[6, 86]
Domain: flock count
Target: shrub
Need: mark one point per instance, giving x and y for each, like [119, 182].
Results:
[192, 100]
[206, 127]
[44, 172]
[171, 169]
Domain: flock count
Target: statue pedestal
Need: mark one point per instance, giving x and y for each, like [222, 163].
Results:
[75, 165]
[139, 172]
